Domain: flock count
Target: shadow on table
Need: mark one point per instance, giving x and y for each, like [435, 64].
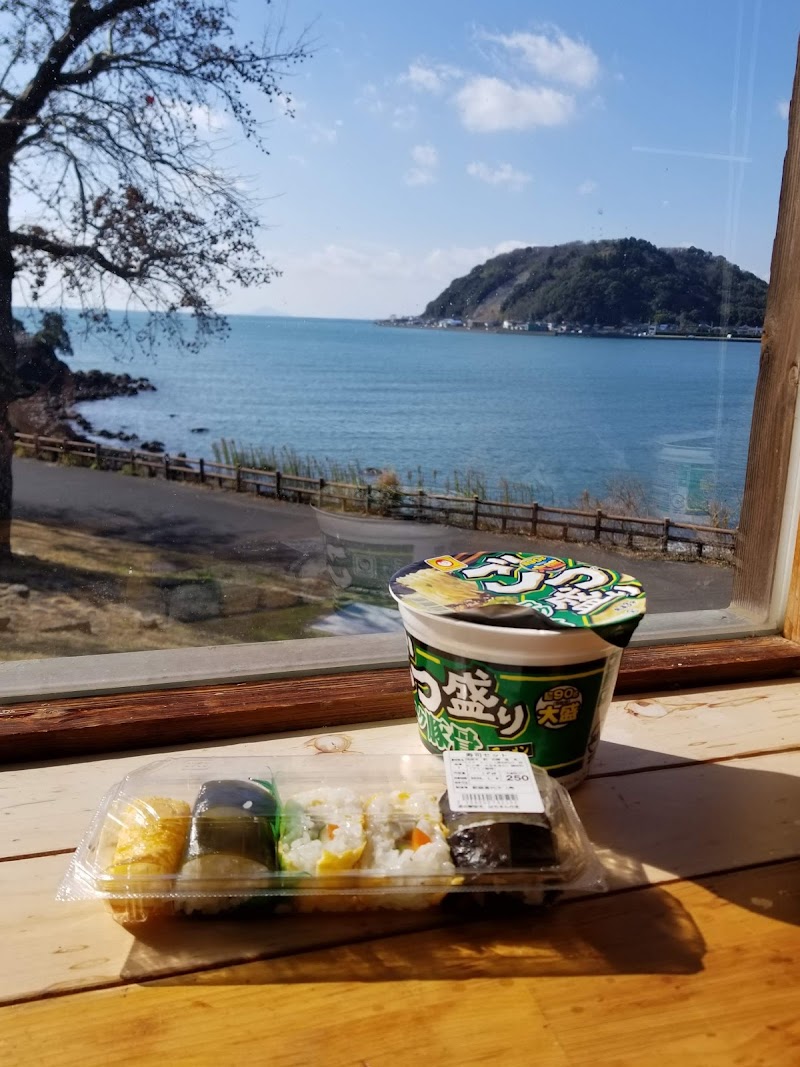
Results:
[622, 934]
[683, 821]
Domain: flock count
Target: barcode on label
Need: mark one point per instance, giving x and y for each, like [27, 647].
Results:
[478, 780]
[489, 798]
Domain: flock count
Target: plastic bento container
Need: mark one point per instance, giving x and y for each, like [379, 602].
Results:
[242, 835]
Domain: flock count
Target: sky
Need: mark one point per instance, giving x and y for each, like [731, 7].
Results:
[430, 136]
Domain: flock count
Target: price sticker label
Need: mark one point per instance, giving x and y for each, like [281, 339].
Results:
[491, 781]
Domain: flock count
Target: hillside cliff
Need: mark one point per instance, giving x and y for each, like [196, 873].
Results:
[607, 283]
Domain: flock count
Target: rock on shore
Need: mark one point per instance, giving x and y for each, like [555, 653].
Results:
[53, 388]
[101, 385]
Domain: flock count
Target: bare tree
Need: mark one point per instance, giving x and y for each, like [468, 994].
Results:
[110, 184]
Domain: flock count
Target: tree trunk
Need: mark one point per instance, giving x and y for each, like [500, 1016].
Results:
[8, 359]
[6, 482]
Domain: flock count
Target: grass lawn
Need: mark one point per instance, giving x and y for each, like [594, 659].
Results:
[68, 592]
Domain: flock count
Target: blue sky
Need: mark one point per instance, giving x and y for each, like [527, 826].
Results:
[429, 135]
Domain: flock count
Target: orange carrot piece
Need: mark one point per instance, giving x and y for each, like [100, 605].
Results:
[419, 838]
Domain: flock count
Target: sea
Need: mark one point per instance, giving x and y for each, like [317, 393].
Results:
[562, 415]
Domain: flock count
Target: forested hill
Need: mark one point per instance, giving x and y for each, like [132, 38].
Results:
[608, 283]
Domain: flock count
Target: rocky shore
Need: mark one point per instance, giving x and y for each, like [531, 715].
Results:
[101, 385]
[53, 390]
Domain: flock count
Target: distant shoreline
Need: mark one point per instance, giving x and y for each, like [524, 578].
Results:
[616, 336]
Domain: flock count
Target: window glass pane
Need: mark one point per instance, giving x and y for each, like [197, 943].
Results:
[524, 261]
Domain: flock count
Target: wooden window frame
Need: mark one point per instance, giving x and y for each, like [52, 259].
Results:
[42, 718]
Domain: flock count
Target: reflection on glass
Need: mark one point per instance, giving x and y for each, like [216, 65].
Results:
[361, 555]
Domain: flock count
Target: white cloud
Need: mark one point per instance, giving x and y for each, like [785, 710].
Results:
[782, 107]
[204, 118]
[587, 187]
[370, 99]
[426, 160]
[553, 56]
[444, 264]
[324, 134]
[418, 176]
[489, 104]
[425, 155]
[427, 77]
[404, 117]
[301, 161]
[502, 174]
[365, 280]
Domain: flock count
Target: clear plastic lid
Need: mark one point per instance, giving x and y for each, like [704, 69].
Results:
[337, 832]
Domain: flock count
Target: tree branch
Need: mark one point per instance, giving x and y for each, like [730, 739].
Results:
[84, 20]
[100, 62]
[62, 250]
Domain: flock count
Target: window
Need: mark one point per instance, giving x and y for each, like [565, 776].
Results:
[455, 145]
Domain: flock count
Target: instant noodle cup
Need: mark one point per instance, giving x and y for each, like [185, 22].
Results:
[516, 651]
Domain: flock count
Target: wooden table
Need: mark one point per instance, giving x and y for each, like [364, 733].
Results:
[693, 956]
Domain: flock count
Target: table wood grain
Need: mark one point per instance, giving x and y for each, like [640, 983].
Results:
[691, 957]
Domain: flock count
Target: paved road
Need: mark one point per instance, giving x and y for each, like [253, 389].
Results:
[232, 526]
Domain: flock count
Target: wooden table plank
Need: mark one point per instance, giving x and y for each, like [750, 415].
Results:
[690, 973]
[651, 826]
[47, 807]
[700, 724]
[695, 819]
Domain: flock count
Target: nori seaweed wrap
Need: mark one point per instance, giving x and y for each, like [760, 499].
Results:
[487, 841]
[231, 838]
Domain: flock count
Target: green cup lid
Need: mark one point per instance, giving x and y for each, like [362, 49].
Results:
[522, 589]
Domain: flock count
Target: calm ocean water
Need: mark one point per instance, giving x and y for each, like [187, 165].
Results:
[563, 414]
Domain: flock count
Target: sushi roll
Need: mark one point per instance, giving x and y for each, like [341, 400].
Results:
[231, 840]
[406, 840]
[487, 842]
[151, 841]
[322, 832]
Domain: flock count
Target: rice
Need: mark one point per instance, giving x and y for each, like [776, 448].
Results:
[406, 839]
[322, 832]
[201, 878]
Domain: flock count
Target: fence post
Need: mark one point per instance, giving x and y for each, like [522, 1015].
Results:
[97, 456]
[565, 531]
[166, 467]
[534, 517]
[420, 505]
[202, 471]
[700, 545]
[598, 524]
[369, 498]
[133, 460]
[36, 452]
[665, 536]
[475, 503]
[238, 478]
[321, 491]
[277, 485]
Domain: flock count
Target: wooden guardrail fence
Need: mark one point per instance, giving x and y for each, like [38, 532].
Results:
[534, 519]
